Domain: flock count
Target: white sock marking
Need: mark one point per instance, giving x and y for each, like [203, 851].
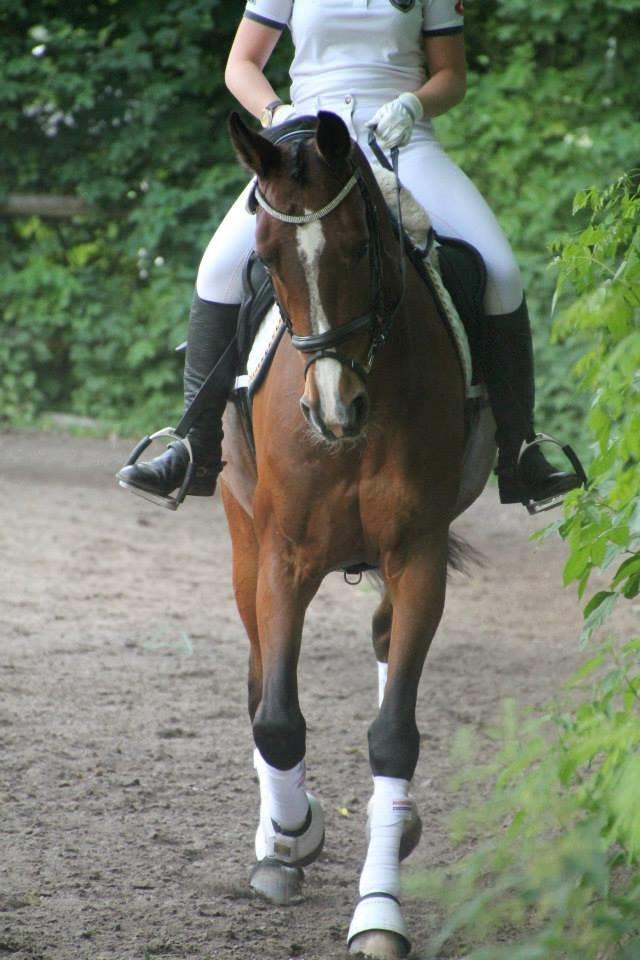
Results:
[383, 670]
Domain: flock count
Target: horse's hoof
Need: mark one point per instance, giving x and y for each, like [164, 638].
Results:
[411, 833]
[277, 882]
[380, 944]
[378, 929]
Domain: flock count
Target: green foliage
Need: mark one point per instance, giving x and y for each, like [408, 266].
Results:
[603, 267]
[555, 871]
[553, 105]
[123, 103]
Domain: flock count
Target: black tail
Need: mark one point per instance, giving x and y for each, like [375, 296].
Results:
[462, 555]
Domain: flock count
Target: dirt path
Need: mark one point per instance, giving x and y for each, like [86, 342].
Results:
[128, 802]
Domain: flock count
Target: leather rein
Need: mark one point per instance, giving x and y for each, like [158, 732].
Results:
[376, 320]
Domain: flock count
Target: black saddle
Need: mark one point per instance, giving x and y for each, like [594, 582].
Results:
[463, 272]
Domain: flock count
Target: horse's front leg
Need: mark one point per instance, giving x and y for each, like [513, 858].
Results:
[381, 637]
[416, 594]
[291, 829]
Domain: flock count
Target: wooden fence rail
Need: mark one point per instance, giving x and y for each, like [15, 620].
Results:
[45, 205]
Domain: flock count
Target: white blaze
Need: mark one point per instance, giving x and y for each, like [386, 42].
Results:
[311, 243]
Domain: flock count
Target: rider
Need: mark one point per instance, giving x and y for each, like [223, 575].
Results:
[392, 64]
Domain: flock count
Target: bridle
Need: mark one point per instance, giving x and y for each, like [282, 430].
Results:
[377, 320]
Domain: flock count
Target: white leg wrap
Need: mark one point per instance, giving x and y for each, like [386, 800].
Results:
[383, 670]
[291, 827]
[282, 793]
[378, 908]
[388, 809]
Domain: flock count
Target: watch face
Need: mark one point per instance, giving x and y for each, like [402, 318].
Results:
[404, 5]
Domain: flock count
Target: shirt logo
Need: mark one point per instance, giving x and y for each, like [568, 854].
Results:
[404, 5]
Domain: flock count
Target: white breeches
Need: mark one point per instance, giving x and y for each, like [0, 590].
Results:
[455, 206]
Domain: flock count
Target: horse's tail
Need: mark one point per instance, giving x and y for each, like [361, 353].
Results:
[462, 554]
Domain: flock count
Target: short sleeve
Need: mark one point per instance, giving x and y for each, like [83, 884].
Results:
[271, 13]
[442, 17]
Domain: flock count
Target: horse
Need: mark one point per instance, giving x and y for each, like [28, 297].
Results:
[360, 459]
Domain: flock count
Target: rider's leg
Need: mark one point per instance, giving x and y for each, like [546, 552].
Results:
[457, 209]
[211, 329]
[509, 375]
[212, 325]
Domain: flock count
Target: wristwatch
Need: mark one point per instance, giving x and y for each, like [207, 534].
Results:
[266, 117]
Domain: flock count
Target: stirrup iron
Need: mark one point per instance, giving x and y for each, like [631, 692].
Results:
[169, 501]
[539, 506]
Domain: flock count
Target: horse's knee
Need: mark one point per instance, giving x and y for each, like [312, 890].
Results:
[280, 736]
[394, 745]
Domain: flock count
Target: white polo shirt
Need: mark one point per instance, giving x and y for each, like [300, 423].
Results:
[371, 50]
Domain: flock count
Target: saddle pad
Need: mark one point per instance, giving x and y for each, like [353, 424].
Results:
[456, 325]
[262, 350]
[417, 226]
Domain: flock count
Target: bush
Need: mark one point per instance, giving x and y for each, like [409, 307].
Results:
[555, 872]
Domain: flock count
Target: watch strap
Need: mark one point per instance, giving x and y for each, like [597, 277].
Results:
[266, 117]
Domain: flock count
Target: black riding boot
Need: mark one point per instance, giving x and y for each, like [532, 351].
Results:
[508, 367]
[211, 330]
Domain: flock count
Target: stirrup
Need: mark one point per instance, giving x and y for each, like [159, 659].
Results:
[168, 501]
[539, 506]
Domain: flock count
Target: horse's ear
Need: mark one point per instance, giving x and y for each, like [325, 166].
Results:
[332, 137]
[252, 150]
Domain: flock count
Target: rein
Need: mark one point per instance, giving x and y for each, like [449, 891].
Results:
[376, 320]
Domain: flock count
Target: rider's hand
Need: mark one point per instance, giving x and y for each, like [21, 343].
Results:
[394, 122]
[282, 113]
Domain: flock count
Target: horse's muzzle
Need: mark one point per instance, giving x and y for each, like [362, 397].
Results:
[344, 421]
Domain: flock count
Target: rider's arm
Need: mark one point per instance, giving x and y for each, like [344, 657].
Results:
[447, 83]
[244, 74]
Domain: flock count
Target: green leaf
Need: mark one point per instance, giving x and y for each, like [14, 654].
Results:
[587, 668]
[596, 612]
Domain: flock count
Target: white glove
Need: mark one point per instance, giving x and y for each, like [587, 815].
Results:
[282, 113]
[394, 122]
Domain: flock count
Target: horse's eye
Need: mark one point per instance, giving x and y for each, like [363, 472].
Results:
[264, 263]
[362, 251]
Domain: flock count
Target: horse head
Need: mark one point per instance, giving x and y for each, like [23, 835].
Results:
[318, 234]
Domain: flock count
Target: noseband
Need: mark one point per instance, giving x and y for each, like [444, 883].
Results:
[376, 320]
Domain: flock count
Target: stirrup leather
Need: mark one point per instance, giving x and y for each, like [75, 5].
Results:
[539, 506]
[169, 501]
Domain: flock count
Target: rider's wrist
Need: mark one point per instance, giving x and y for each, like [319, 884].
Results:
[411, 103]
[267, 115]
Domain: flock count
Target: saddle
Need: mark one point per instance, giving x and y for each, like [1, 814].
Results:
[463, 275]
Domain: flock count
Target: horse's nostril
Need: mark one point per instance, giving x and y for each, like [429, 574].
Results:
[306, 409]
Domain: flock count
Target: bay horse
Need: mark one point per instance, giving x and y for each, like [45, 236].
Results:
[360, 459]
